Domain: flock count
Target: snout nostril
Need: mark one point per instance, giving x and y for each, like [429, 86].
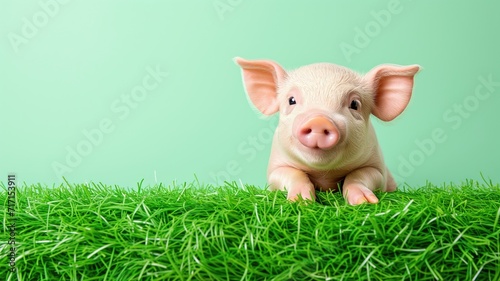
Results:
[326, 132]
[307, 131]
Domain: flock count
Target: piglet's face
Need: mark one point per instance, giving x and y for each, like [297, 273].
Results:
[324, 108]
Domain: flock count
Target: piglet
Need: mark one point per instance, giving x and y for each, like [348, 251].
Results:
[324, 139]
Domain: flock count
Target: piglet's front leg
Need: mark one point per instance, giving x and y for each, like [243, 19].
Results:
[359, 185]
[295, 181]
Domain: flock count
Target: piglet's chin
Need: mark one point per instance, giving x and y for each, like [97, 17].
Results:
[316, 157]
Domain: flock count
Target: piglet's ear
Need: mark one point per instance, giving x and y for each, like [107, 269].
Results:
[261, 79]
[392, 86]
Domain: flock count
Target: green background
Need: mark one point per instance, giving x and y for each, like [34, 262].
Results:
[64, 65]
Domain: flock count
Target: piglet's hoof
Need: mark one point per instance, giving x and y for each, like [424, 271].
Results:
[356, 194]
[305, 194]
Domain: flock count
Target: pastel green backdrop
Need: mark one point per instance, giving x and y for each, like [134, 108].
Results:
[119, 91]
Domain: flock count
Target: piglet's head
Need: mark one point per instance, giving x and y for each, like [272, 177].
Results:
[325, 108]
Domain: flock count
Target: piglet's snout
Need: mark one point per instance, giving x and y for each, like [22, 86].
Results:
[318, 132]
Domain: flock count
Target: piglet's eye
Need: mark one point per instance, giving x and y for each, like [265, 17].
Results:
[354, 104]
[291, 101]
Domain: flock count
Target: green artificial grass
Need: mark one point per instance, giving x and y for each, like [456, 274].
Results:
[234, 232]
